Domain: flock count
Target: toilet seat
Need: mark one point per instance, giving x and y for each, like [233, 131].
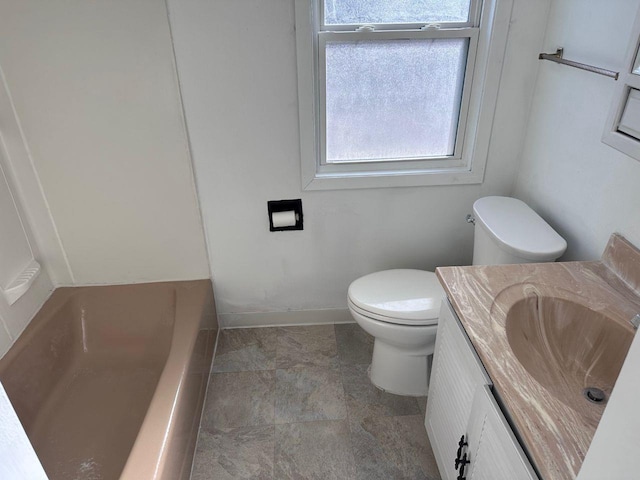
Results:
[403, 296]
[387, 319]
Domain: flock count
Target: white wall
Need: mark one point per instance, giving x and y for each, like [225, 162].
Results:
[18, 239]
[16, 254]
[111, 194]
[26, 185]
[237, 69]
[585, 188]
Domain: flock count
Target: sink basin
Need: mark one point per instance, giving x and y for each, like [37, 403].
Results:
[567, 348]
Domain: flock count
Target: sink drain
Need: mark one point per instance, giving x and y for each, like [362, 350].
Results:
[594, 395]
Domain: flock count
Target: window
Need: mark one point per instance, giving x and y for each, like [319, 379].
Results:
[397, 93]
[622, 130]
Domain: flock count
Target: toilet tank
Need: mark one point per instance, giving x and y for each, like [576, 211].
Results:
[507, 230]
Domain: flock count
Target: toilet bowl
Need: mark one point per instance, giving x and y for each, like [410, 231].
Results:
[400, 308]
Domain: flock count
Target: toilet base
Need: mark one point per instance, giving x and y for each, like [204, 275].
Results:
[399, 372]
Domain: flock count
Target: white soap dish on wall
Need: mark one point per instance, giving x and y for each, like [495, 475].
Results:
[22, 282]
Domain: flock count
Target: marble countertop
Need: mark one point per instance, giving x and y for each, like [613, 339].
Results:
[555, 435]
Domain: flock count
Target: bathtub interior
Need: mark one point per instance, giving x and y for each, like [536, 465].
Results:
[130, 322]
[86, 372]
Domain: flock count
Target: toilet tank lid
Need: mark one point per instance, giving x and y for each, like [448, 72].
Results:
[518, 229]
[402, 294]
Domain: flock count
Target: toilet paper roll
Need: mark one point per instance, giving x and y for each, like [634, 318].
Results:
[284, 219]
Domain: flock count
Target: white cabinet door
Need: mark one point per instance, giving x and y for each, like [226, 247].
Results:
[493, 452]
[456, 374]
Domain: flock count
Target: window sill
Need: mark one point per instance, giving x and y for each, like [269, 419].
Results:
[341, 181]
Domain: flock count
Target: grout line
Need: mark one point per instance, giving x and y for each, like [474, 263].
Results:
[346, 406]
[340, 367]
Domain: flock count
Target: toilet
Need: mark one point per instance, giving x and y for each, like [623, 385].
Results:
[400, 308]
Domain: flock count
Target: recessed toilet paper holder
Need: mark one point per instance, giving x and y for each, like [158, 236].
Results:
[285, 215]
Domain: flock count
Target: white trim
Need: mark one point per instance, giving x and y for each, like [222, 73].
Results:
[294, 317]
[628, 80]
[306, 66]
[489, 58]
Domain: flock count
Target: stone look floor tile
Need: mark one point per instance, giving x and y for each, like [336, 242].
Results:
[313, 345]
[365, 400]
[308, 394]
[316, 416]
[422, 402]
[355, 346]
[240, 399]
[389, 448]
[235, 453]
[314, 450]
[246, 349]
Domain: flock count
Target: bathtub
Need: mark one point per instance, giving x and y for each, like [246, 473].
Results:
[109, 382]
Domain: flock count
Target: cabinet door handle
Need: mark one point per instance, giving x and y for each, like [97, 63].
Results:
[461, 444]
[463, 464]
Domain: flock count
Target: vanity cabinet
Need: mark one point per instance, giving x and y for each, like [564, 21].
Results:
[496, 453]
[469, 435]
[456, 374]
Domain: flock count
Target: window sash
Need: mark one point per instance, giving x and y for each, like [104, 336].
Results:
[473, 21]
[383, 165]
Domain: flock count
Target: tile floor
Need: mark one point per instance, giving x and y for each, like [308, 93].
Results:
[296, 403]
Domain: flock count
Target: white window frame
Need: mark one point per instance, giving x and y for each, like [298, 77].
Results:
[487, 31]
[628, 80]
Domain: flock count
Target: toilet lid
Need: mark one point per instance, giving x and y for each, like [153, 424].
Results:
[408, 296]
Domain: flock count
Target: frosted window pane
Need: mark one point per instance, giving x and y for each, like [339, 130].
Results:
[393, 99]
[341, 12]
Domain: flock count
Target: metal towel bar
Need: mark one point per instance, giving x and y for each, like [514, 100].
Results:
[557, 58]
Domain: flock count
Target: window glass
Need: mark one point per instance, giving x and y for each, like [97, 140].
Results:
[393, 99]
[349, 12]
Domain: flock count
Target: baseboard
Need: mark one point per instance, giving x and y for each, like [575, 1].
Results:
[280, 319]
